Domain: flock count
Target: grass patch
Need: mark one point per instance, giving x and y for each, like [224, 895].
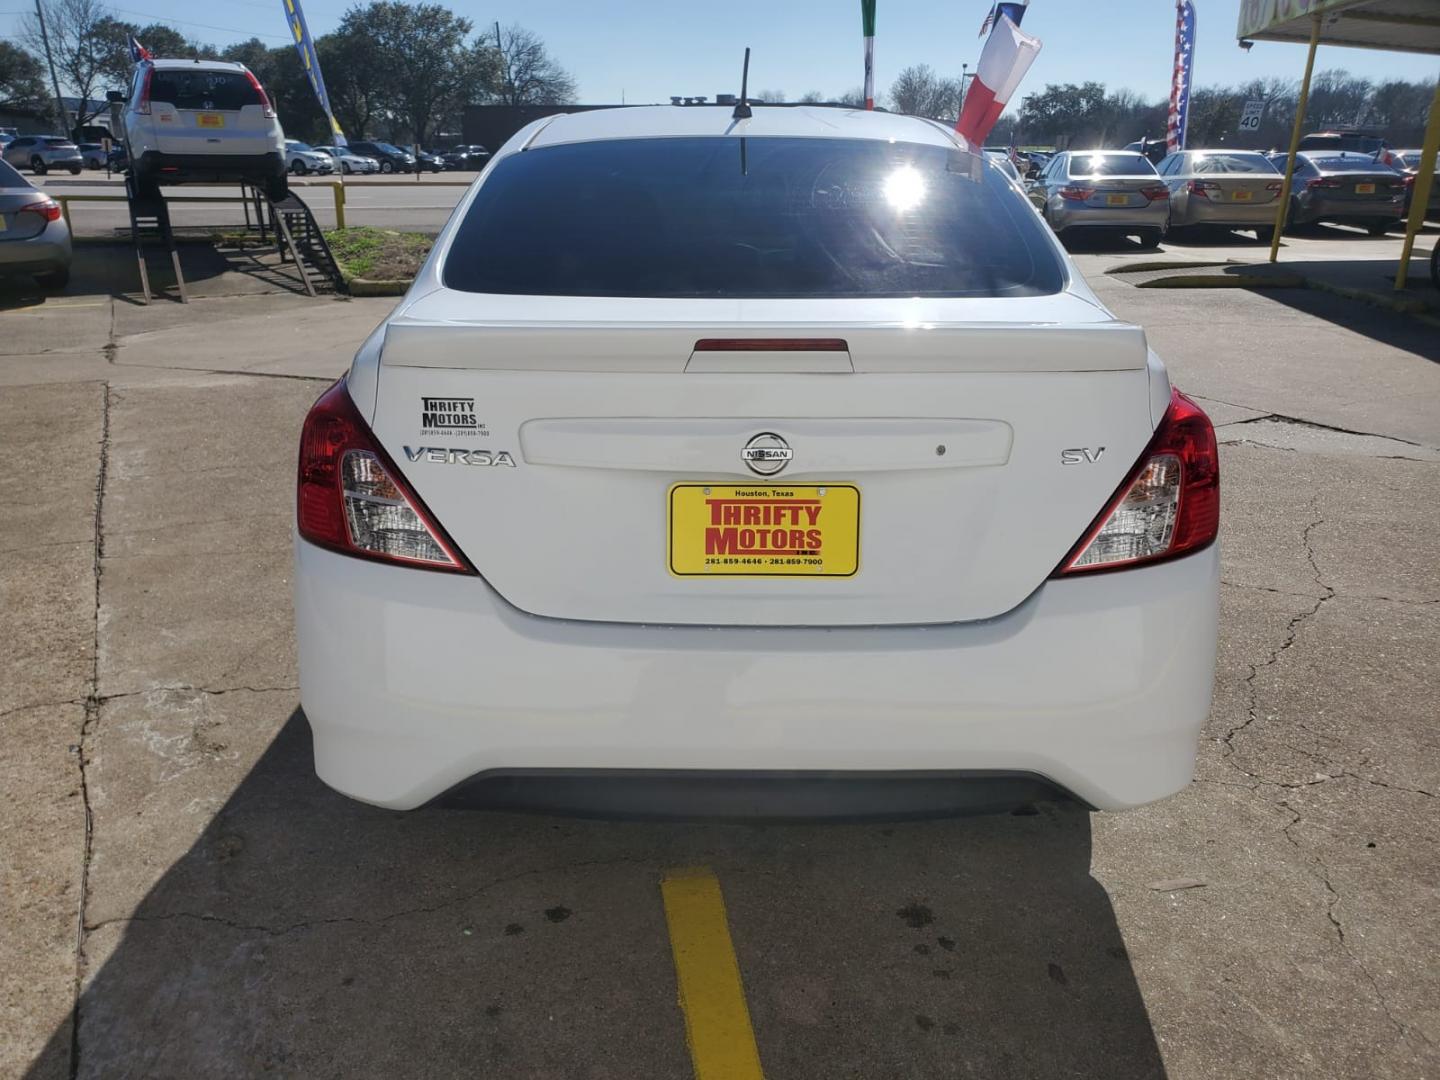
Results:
[379, 254]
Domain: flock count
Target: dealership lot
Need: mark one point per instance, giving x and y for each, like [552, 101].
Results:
[1278, 918]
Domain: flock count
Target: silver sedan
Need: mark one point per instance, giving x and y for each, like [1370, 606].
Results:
[1229, 189]
[1114, 190]
[34, 239]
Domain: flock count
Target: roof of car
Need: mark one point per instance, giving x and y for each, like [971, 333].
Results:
[678, 121]
[224, 65]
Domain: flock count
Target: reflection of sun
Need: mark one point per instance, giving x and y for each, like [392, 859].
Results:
[904, 188]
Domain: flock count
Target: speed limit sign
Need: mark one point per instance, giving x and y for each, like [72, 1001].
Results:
[1250, 118]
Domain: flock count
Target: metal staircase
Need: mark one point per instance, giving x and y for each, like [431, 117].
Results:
[298, 238]
[297, 230]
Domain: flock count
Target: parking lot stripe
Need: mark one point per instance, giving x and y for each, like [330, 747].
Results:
[717, 1020]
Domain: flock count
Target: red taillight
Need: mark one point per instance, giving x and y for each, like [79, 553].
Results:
[1275, 185]
[351, 498]
[1076, 193]
[1168, 506]
[49, 209]
[143, 105]
[1202, 188]
[1155, 191]
[268, 109]
[1322, 182]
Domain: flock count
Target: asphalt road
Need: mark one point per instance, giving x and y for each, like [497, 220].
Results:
[181, 897]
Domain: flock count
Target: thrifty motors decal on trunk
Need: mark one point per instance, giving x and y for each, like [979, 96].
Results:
[450, 416]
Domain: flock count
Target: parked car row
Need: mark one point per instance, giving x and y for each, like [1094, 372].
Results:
[1121, 191]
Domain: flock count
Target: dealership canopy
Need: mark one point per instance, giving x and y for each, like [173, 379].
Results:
[1397, 25]
[1401, 25]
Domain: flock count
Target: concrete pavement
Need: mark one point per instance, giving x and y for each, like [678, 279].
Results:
[182, 897]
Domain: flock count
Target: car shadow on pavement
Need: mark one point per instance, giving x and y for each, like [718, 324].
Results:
[303, 934]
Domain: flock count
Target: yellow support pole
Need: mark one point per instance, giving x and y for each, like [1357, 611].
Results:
[1300, 106]
[339, 191]
[1420, 194]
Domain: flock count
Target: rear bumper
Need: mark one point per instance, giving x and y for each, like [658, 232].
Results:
[414, 682]
[1103, 217]
[219, 167]
[1350, 210]
[43, 254]
[1231, 214]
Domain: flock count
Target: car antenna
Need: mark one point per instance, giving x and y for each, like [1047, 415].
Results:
[742, 107]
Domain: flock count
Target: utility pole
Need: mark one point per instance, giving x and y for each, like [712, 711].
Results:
[504, 67]
[54, 80]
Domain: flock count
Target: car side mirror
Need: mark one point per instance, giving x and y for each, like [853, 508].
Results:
[115, 97]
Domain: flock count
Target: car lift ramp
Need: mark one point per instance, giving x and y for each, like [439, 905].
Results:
[149, 215]
[298, 238]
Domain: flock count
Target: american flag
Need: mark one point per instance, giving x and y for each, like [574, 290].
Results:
[1016, 11]
[1180, 78]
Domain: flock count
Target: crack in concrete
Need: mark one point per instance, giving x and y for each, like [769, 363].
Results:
[185, 688]
[92, 716]
[1338, 594]
[1302, 422]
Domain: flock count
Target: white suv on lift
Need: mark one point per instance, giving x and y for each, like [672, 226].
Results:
[199, 120]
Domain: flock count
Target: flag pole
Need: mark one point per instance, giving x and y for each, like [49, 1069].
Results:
[867, 26]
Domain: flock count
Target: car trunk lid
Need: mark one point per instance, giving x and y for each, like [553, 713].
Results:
[569, 458]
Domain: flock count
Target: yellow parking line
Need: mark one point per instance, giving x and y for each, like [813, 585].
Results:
[717, 1020]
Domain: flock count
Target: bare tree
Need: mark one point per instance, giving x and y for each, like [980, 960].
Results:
[919, 91]
[77, 43]
[771, 97]
[811, 97]
[528, 74]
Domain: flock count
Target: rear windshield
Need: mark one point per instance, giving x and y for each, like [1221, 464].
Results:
[751, 218]
[56, 140]
[9, 178]
[1233, 163]
[1111, 165]
[202, 89]
[1348, 164]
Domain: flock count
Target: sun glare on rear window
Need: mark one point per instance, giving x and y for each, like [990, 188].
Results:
[750, 218]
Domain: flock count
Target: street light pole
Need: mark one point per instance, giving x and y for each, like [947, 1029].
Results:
[54, 80]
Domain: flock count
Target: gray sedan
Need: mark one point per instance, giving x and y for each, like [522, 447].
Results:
[1229, 189]
[1348, 188]
[41, 153]
[1115, 190]
[34, 239]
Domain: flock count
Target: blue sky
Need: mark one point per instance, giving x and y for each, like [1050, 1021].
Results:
[650, 49]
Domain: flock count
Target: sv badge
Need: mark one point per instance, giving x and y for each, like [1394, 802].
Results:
[1081, 455]
[439, 455]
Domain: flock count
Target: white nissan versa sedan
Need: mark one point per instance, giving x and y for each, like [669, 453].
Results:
[780, 465]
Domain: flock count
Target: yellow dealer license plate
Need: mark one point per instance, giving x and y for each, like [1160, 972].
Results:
[1116, 200]
[209, 120]
[1241, 196]
[761, 531]
[1364, 189]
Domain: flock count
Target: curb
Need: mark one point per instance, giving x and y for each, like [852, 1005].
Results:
[358, 286]
[1402, 304]
[1225, 281]
[1162, 264]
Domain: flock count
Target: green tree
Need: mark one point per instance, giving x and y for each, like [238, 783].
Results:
[22, 79]
[421, 55]
[112, 44]
[354, 79]
[1067, 112]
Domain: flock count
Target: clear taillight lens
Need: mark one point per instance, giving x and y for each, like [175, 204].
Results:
[351, 498]
[1168, 506]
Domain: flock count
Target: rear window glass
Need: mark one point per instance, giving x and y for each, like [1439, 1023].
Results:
[9, 178]
[202, 89]
[1348, 164]
[1111, 165]
[1233, 163]
[751, 218]
[56, 140]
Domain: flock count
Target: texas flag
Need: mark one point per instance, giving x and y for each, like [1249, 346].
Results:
[138, 52]
[1006, 58]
